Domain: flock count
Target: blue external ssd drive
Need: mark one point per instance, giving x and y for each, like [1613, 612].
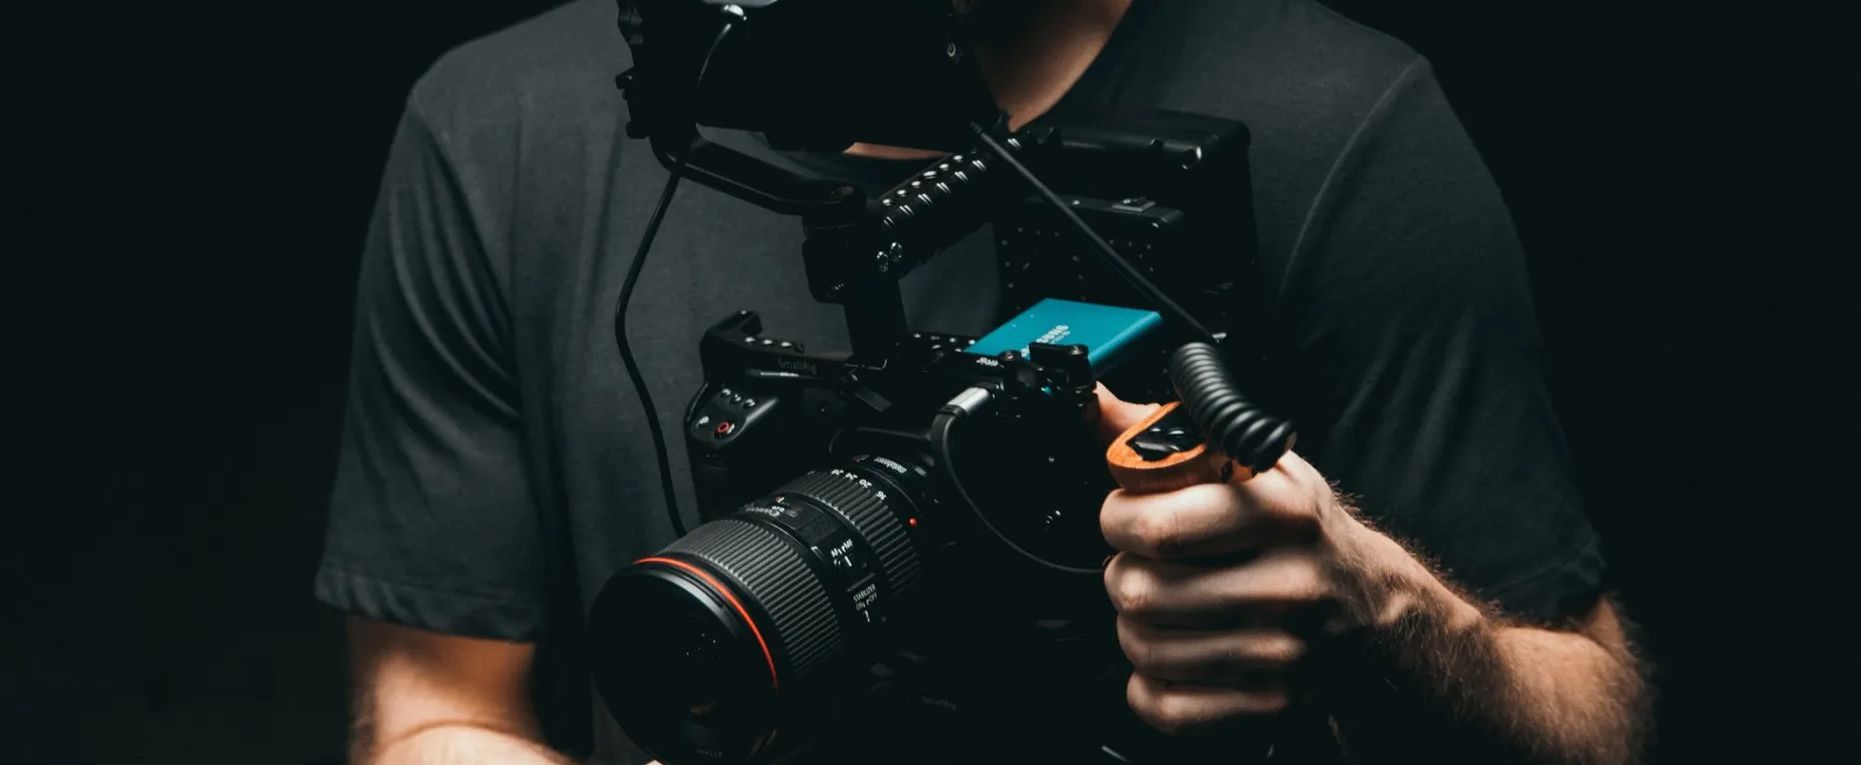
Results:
[1107, 332]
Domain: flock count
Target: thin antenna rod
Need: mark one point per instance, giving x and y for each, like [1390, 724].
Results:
[1169, 308]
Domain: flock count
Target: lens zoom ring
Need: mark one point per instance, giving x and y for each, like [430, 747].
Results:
[842, 493]
[773, 575]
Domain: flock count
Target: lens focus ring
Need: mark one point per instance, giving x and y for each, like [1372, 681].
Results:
[773, 575]
[864, 504]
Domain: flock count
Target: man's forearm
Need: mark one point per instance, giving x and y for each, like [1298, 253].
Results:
[1435, 676]
[427, 697]
[458, 744]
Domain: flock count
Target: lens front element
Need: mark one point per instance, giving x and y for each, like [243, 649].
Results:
[709, 650]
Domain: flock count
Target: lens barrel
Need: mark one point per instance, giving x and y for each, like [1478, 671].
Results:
[714, 649]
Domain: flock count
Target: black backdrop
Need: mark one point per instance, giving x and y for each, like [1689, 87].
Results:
[197, 179]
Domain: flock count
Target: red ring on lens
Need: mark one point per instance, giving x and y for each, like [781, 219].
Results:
[734, 604]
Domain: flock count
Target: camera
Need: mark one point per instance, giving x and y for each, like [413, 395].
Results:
[900, 552]
[898, 533]
[766, 622]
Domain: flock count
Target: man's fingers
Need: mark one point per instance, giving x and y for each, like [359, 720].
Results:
[1164, 593]
[1259, 658]
[1207, 520]
[1179, 709]
[1199, 521]
[1116, 416]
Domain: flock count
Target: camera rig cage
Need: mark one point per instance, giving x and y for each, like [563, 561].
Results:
[1157, 182]
[1169, 191]
[802, 74]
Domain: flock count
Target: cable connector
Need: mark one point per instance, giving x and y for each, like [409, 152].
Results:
[968, 402]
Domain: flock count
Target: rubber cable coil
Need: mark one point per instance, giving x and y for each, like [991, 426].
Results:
[1235, 425]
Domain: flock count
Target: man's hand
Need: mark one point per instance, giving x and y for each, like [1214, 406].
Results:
[424, 697]
[1224, 590]
[1220, 587]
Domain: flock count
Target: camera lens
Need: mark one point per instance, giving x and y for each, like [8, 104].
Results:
[713, 649]
[698, 661]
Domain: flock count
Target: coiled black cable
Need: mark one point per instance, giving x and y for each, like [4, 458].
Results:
[1230, 422]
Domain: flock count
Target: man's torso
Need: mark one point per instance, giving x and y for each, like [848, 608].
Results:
[532, 125]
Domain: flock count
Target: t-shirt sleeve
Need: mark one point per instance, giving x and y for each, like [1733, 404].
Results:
[432, 522]
[1414, 361]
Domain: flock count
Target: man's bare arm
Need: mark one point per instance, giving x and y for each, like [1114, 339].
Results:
[1495, 690]
[1236, 601]
[423, 697]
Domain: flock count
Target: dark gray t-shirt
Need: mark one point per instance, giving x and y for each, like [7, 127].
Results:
[487, 398]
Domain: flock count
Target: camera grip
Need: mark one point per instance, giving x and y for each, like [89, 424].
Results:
[1164, 452]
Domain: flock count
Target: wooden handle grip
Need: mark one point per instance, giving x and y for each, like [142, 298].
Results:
[1179, 470]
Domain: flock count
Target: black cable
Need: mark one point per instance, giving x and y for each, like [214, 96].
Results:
[943, 448]
[666, 483]
[1238, 427]
[633, 367]
[1233, 424]
[1170, 310]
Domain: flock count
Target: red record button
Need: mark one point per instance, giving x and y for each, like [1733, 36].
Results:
[725, 428]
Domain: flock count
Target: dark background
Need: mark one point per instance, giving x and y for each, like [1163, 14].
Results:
[197, 178]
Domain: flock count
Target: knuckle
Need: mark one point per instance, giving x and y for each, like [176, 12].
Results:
[1171, 713]
[1112, 514]
[1273, 650]
[1131, 593]
[1139, 696]
[1290, 502]
[1160, 708]
[1268, 492]
[1141, 653]
[1160, 533]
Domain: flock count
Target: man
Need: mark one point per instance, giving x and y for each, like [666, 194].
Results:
[1466, 617]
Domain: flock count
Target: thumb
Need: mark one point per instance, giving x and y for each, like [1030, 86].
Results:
[1117, 416]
